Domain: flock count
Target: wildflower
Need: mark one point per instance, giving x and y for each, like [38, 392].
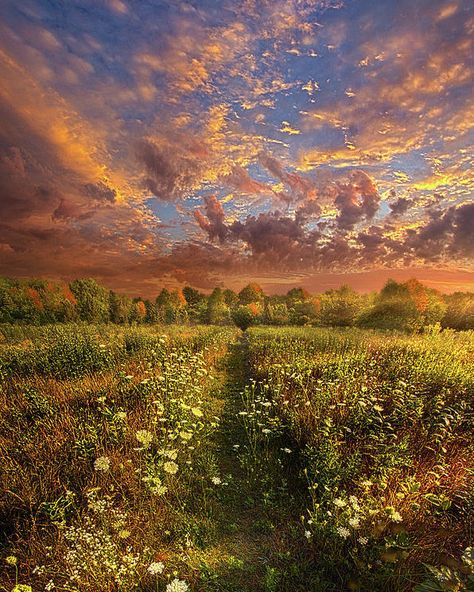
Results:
[50, 586]
[124, 534]
[216, 480]
[378, 408]
[144, 437]
[287, 450]
[177, 586]
[396, 517]
[354, 522]
[468, 557]
[307, 534]
[171, 467]
[11, 560]
[343, 532]
[363, 540]
[266, 431]
[102, 463]
[156, 568]
[196, 412]
[22, 588]
[339, 503]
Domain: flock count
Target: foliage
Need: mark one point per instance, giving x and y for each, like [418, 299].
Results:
[409, 307]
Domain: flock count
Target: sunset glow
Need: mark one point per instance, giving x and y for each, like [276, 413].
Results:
[290, 142]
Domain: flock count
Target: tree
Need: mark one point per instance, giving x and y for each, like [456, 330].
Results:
[171, 306]
[218, 312]
[151, 312]
[192, 296]
[251, 293]
[92, 300]
[459, 311]
[120, 308]
[244, 316]
[276, 313]
[138, 311]
[408, 307]
[230, 297]
[306, 312]
[297, 295]
[340, 308]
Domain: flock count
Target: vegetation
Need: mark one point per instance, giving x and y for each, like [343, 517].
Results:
[408, 306]
[188, 458]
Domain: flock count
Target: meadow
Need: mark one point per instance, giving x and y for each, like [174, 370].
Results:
[173, 458]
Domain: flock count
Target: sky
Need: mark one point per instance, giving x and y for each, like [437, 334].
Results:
[289, 142]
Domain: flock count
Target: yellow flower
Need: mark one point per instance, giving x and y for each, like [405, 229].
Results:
[11, 560]
[171, 467]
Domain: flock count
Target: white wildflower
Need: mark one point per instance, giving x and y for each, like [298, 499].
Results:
[177, 586]
[396, 516]
[216, 480]
[144, 437]
[354, 522]
[102, 463]
[343, 532]
[339, 503]
[156, 568]
[363, 540]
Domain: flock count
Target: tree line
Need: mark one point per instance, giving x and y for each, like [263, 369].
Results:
[407, 306]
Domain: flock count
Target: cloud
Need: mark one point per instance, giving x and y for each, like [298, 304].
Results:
[304, 157]
[172, 170]
[213, 223]
[356, 199]
[400, 206]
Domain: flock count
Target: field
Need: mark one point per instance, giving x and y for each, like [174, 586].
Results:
[203, 458]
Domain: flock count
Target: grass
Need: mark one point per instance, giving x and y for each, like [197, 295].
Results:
[144, 459]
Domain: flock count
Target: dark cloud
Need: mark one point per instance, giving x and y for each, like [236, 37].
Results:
[298, 187]
[101, 192]
[400, 206]
[172, 170]
[214, 221]
[356, 199]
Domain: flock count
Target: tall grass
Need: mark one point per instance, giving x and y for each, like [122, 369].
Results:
[102, 439]
[383, 424]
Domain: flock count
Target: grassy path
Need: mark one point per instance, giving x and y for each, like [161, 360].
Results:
[247, 539]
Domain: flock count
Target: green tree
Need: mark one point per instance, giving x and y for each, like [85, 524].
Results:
[407, 306]
[252, 293]
[218, 312]
[459, 311]
[244, 316]
[276, 313]
[341, 308]
[92, 300]
[305, 312]
[120, 308]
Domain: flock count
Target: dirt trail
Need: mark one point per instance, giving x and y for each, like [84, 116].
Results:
[239, 558]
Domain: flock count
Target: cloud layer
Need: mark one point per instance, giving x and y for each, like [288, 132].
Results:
[160, 142]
